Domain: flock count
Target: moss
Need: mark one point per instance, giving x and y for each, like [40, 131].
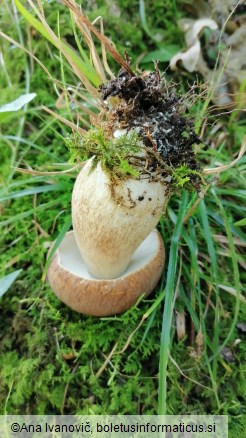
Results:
[182, 177]
[114, 154]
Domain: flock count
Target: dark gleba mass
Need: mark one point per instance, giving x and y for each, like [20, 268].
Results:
[148, 105]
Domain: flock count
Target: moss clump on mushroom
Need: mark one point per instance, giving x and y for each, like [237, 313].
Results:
[184, 176]
[116, 155]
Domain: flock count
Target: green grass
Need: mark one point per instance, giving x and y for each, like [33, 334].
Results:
[46, 348]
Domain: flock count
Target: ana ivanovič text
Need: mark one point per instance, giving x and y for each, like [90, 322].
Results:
[112, 427]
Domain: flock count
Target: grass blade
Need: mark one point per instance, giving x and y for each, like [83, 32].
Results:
[211, 249]
[58, 241]
[15, 105]
[85, 68]
[32, 191]
[167, 314]
[235, 269]
[7, 281]
[25, 214]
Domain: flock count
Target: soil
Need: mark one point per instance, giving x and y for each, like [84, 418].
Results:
[158, 115]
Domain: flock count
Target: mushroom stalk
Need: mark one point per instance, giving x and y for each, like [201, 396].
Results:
[111, 219]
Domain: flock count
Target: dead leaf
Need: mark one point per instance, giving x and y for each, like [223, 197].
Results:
[236, 343]
[227, 82]
[180, 324]
[69, 356]
[227, 355]
[242, 327]
[191, 58]
[197, 352]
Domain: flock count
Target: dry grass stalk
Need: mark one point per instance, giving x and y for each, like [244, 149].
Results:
[65, 121]
[104, 40]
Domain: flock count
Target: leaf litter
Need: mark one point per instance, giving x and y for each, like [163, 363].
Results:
[223, 26]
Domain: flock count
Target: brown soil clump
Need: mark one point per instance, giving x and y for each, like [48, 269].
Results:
[157, 114]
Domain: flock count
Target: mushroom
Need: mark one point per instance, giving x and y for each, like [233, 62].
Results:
[138, 157]
[76, 287]
[113, 255]
[110, 220]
